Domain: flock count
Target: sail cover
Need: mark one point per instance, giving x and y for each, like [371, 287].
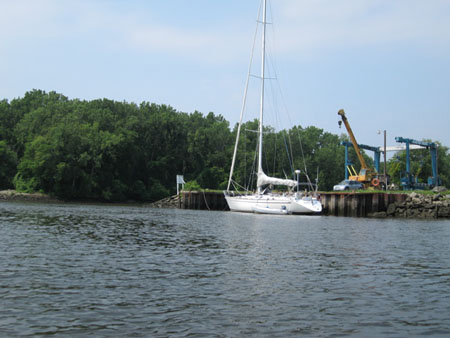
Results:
[263, 179]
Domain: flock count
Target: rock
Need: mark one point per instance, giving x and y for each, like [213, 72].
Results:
[417, 201]
[412, 213]
[401, 213]
[12, 195]
[168, 202]
[432, 213]
[422, 215]
[443, 212]
[391, 209]
[380, 214]
[439, 189]
[437, 197]
[414, 195]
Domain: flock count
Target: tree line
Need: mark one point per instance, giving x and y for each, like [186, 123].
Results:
[116, 151]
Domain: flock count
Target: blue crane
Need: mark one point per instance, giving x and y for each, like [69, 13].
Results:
[408, 181]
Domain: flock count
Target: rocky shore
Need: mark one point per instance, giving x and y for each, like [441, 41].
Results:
[12, 195]
[15, 196]
[170, 202]
[418, 206]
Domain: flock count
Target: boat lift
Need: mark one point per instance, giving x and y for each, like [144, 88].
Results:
[408, 181]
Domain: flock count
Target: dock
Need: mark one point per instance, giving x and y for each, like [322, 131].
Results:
[334, 204]
[354, 204]
[203, 200]
[345, 204]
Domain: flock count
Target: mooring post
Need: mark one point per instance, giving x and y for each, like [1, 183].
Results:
[341, 205]
[375, 203]
[354, 206]
[334, 204]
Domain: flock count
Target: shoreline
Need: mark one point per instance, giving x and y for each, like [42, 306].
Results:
[11, 195]
[411, 205]
[15, 196]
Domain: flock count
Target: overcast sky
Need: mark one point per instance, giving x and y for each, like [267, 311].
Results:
[387, 63]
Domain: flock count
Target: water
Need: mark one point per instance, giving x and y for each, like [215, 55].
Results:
[113, 271]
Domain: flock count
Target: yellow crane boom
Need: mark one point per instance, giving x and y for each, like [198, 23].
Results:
[353, 139]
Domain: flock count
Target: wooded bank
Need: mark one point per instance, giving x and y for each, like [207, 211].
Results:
[104, 150]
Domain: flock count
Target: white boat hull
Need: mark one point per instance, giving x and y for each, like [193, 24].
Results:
[266, 210]
[293, 205]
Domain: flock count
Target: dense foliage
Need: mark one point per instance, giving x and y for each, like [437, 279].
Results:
[116, 151]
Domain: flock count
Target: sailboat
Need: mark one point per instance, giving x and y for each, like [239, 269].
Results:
[263, 200]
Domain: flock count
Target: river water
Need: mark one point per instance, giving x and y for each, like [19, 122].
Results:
[115, 271]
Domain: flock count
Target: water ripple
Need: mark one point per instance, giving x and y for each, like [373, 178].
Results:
[106, 271]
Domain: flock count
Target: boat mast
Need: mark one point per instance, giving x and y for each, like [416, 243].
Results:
[261, 106]
[244, 101]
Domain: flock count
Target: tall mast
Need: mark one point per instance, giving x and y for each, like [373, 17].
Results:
[261, 106]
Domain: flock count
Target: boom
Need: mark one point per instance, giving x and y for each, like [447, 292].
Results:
[353, 139]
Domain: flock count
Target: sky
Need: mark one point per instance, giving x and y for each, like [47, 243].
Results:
[386, 63]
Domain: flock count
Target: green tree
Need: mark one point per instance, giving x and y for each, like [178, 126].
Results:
[117, 151]
[8, 165]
